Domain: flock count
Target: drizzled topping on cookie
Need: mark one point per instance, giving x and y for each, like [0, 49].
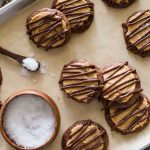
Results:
[130, 119]
[138, 31]
[120, 82]
[77, 11]
[81, 80]
[120, 1]
[47, 28]
[86, 136]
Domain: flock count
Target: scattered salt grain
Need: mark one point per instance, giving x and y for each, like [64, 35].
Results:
[30, 63]
[43, 67]
[29, 121]
[42, 70]
[25, 73]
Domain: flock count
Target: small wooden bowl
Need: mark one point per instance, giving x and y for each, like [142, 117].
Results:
[44, 97]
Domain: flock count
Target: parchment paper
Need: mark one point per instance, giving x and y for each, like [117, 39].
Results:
[102, 44]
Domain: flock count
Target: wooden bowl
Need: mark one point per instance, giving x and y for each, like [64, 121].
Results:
[44, 97]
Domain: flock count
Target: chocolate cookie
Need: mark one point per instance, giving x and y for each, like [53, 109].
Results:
[1, 77]
[81, 80]
[85, 135]
[119, 3]
[48, 28]
[80, 13]
[131, 119]
[121, 85]
[137, 33]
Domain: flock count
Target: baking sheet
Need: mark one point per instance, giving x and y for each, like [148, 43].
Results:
[102, 44]
[12, 8]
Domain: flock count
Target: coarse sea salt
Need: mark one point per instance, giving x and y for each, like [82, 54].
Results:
[29, 121]
[30, 63]
[42, 71]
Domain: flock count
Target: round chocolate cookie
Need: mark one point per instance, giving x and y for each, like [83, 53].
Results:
[1, 77]
[119, 3]
[48, 28]
[129, 120]
[137, 33]
[80, 13]
[121, 85]
[85, 135]
[81, 80]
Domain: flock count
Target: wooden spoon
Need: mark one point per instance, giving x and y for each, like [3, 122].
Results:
[20, 59]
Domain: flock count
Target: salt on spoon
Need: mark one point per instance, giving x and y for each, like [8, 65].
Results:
[27, 62]
[30, 63]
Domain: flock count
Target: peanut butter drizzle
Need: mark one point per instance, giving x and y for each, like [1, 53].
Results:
[80, 135]
[142, 21]
[72, 11]
[142, 114]
[55, 22]
[85, 85]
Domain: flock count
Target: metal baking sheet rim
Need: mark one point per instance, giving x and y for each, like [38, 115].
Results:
[144, 146]
[12, 8]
